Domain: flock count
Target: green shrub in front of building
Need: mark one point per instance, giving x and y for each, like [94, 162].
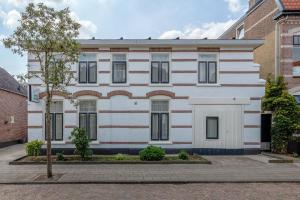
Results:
[34, 147]
[152, 153]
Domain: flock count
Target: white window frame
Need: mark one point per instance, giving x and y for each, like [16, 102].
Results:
[217, 84]
[170, 66]
[237, 31]
[87, 84]
[111, 70]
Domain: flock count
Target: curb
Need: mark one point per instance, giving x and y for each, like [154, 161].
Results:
[278, 158]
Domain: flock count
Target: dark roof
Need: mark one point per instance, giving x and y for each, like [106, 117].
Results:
[8, 83]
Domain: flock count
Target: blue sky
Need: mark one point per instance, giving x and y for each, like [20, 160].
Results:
[129, 19]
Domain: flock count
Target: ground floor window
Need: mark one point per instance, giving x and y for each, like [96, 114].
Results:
[88, 118]
[56, 121]
[159, 120]
[212, 127]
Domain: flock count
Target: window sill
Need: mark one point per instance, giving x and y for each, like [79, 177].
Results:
[208, 85]
[57, 142]
[119, 85]
[160, 142]
[161, 85]
[87, 85]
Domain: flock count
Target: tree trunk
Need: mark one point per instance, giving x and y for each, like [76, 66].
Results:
[48, 130]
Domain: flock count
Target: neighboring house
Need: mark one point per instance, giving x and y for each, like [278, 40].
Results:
[202, 95]
[278, 23]
[13, 110]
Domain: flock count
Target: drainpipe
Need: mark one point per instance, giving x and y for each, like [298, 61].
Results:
[277, 46]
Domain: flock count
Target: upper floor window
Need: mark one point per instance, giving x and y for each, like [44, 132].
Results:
[160, 68]
[240, 32]
[87, 68]
[119, 68]
[160, 120]
[207, 68]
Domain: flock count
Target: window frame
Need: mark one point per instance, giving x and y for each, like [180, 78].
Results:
[238, 31]
[160, 62]
[212, 117]
[294, 36]
[87, 113]
[53, 127]
[87, 72]
[208, 72]
[207, 62]
[113, 72]
[160, 114]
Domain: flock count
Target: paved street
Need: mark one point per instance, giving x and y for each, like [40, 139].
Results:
[224, 169]
[265, 191]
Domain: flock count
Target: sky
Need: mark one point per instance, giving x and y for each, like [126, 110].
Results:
[138, 19]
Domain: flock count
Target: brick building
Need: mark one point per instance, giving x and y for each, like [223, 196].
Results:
[13, 110]
[278, 23]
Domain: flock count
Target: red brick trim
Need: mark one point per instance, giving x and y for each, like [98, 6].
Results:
[70, 126]
[123, 142]
[104, 60]
[119, 49]
[251, 126]
[181, 97]
[184, 71]
[236, 60]
[160, 92]
[138, 60]
[139, 72]
[243, 85]
[54, 93]
[103, 84]
[297, 63]
[255, 98]
[136, 50]
[252, 143]
[184, 84]
[185, 50]
[119, 92]
[123, 126]
[35, 111]
[200, 49]
[181, 111]
[184, 60]
[182, 142]
[236, 51]
[182, 126]
[123, 111]
[34, 126]
[87, 93]
[238, 72]
[139, 84]
[160, 49]
[252, 112]
[70, 111]
[103, 72]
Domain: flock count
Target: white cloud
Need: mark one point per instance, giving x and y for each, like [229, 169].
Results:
[87, 29]
[51, 3]
[10, 19]
[210, 30]
[234, 5]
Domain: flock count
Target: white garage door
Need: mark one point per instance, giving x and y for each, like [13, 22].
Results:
[218, 126]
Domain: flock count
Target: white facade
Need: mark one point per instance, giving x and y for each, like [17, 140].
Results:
[124, 112]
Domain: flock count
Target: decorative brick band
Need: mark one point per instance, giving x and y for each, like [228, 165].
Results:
[119, 49]
[70, 111]
[123, 142]
[139, 84]
[200, 49]
[124, 126]
[184, 71]
[70, 126]
[182, 126]
[160, 92]
[183, 142]
[119, 92]
[35, 111]
[138, 60]
[181, 111]
[160, 49]
[54, 93]
[184, 60]
[139, 72]
[251, 126]
[139, 50]
[236, 60]
[87, 93]
[34, 126]
[184, 84]
[243, 85]
[238, 72]
[236, 51]
[123, 111]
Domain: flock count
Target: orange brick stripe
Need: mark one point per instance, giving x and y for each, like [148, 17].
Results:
[236, 51]
[139, 84]
[123, 111]
[236, 60]
[200, 49]
[184, 84]
[35, 111]
[124, 126]
[239, 72]
[138, 60]
[119, 92]
[87, 92]
[243, 85]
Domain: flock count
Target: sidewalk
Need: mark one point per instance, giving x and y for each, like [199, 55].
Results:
[223, 169]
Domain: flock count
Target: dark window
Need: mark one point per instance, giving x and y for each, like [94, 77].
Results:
[159, 72]
[88, 118]
[160, 120]
[212, 127]
[88, 72]
[56, 122]
[207, 72]
[119, 72]
[296, 40]
[297, 97]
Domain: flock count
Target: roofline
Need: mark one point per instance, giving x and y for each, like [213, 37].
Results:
[97, 43]
[239, 21]
[285, 13]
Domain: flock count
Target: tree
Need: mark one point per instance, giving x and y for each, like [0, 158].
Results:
[50, 35]
[285, 113]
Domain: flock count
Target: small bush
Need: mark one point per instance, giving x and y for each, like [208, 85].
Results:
[33, 148]
[183, 155]
[152, 153]
[120, 156]
[82, 143]
[60, 156]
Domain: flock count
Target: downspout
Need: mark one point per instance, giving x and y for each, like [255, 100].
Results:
[277, 46]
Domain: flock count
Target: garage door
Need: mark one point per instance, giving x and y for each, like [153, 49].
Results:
[218, 126]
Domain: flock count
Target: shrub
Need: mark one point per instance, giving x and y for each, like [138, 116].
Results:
[33, 148]
[60, 156]
[152, 153]
[120, 156]
[81, 142]
[183, 155]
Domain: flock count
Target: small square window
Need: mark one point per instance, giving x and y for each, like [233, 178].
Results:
[212, 127]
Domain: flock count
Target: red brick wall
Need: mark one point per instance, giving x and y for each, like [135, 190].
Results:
[12, 105]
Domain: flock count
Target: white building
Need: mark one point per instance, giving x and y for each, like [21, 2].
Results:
[201, 95]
